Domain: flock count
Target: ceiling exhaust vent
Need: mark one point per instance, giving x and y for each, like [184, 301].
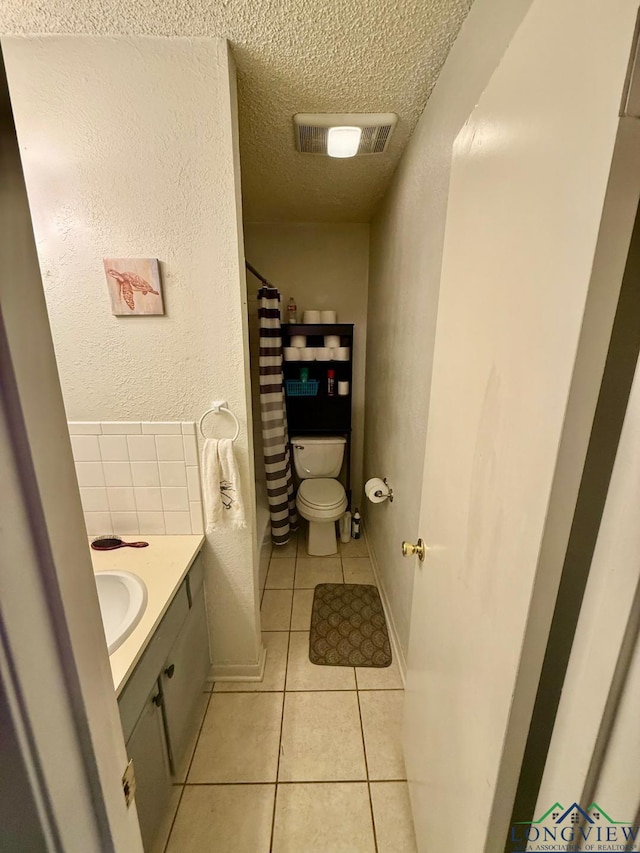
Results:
[312, 130]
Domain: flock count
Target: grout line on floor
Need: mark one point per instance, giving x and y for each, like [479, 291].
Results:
[284, 696]
[183, 785]
[366, 764]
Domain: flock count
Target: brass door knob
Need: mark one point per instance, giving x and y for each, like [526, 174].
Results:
[408, 549]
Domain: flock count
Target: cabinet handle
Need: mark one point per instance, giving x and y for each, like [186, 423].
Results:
[157, 700]
[170, 670]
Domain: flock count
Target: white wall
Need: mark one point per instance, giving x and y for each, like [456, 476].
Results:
[322, 266]
[406, 252]
[129, 148]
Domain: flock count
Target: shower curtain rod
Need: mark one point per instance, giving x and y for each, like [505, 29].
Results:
[255, 272]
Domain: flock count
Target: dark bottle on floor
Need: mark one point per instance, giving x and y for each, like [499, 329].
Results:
[355, 525]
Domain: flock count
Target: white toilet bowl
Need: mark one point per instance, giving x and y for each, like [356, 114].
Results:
[321, 501]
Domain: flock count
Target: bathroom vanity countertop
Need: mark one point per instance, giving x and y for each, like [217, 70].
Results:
[162, 566]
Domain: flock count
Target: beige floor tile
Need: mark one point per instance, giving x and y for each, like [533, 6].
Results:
[392, 816]
[354, 548]
[183, 765]
[164, 827]
[311, 571]
[239, 739]
[224, 818]
[304, 675]
[302, 604]
[379, 678]
[287, 551]
[276, 643]
[382, 726]
[358, 570]
[276, 609]
[323, 818]
[281, 573]
[321, 738]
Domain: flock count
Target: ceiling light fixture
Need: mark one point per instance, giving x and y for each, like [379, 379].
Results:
[343, 141]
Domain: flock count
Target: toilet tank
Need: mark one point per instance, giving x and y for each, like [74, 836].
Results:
[318, 456]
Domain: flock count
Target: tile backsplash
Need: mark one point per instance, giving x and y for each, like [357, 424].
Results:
[138, 477]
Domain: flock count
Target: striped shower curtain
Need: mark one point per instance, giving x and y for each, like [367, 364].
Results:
[277, 461]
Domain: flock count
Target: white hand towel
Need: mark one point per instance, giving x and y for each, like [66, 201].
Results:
[221, 479]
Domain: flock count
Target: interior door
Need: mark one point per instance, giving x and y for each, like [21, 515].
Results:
[538, 228]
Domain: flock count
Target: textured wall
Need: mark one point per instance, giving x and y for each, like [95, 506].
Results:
[406, 253]
[322, 266]
[128, 151]
[293, 56]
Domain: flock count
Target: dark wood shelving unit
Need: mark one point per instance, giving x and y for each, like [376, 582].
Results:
[321, 414]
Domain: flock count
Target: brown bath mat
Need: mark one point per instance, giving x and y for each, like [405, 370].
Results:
[348, 626]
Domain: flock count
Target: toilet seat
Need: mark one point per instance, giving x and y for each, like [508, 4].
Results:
[322, 494]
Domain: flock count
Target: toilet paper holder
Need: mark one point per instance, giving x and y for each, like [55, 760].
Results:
[380, 494]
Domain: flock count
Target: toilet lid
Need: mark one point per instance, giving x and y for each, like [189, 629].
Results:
[322, 492]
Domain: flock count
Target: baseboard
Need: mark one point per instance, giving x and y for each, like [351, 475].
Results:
[239, 672]
[391, 625]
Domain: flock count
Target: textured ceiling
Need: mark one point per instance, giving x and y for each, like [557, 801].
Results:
[292, 56]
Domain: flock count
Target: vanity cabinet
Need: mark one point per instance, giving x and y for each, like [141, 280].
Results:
[159, 702]
[147, 748]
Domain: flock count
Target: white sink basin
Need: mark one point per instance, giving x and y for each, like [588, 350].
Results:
[123, 599]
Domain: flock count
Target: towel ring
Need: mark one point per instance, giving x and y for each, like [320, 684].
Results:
[217, 408]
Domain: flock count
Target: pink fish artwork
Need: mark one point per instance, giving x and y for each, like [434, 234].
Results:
[134, 286]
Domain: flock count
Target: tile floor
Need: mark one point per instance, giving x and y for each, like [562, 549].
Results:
[309, 759]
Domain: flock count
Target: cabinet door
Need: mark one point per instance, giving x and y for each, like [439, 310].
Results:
[147, 748]
[183, 680]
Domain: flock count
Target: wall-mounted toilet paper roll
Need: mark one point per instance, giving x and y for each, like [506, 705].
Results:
[377, 490]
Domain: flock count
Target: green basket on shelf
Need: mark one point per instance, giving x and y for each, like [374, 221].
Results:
[296, 388]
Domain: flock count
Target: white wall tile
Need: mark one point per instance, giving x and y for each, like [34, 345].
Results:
[84, 428]
[190, 449]
[86, 448]
[177, 522]
[193, 483]
[142, 448]
[121, 499]
[90, 474]
[170, 448]
[172, 474]
[175, 499]
[161, 428]
[117, 473]
[113, 448]
[145, 473]
[148, 498]
[151, 523]
[98, 523]
[125, 489]
[197, 524]
[120, 428]
[125, 523]
[94, 500]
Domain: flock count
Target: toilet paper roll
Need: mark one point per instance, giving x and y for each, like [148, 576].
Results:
[311, 316]
[291, 353]
[343, 389]
[308, 354]
[323, 354]
[376, 490]
[341, 353]
[328, 316]
[331, 341]
[298, 341]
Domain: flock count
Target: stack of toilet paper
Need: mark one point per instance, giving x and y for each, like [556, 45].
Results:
[331, 351]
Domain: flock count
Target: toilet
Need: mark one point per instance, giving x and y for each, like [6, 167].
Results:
[321, 499]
